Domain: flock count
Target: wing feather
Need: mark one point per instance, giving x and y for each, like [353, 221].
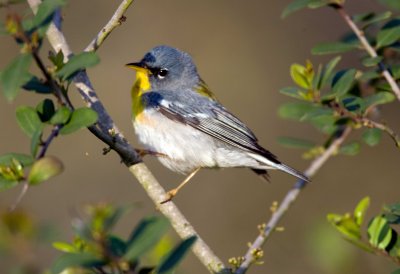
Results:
[209, 117]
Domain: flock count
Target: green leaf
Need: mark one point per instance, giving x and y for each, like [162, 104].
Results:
[295, 93]
[325, 123]
[299, 75]
[372, 61]
[36, 85]
[328, 71]
[369, 75]
[44, 169]
[116, 246]
[318, 112]
[397, 271]
[296, 143]
[371, 17]
[57, 59]
[341, 84]
[346, 225]
[23, 159]
[392, 214]
[45, 109]
[15, 75]
[145, 236]
[80, 118]
[314, 4]
[28, 120]
[70, 260]
[175, 256]
[46, 9]
[61, 116]
[353, 103]
[294, 6]
[379, 232]
[64, 247]
[350, 149]
[7, 184]
[295, 110]
[395, 70]
[387, 36]
[379, 98]
[372, 136]
[331, 48]
[349, 229]
[35, 141]
[360, 210]
[78, 62]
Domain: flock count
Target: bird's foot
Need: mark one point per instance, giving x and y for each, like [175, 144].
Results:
[171, 194]
[145, 152]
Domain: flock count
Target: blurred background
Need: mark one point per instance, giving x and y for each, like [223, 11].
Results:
[243, 50]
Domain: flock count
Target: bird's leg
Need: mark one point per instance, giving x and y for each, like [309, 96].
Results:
[144, 152]
[172, 193]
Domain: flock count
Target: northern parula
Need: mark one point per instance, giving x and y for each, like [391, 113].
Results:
[176, 115]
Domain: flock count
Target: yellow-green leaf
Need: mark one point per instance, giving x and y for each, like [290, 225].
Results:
[360, 210]
[44, 169]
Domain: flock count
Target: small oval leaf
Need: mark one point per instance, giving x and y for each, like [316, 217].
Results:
[379, 232]
[44, 169]
[78, 62]
[360, 210]
[372, 136]
[172, 260]
[330, 48]
[28, 120]
[145, 236]
[15, 75]
[80, 118]
[387, 36]
[61, 116]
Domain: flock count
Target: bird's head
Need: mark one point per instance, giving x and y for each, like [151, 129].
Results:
[165, 67]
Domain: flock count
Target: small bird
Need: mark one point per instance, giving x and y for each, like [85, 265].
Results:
[176, 116]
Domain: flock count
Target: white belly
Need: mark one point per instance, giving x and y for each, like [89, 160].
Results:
[185, 147]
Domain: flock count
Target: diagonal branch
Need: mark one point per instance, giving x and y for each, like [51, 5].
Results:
[108, 132]
[367, 46]
[289, 199]
[116, 20]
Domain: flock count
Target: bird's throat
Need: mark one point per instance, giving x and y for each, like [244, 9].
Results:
[141, 85]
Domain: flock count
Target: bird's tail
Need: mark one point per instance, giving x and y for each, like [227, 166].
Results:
[280, 166]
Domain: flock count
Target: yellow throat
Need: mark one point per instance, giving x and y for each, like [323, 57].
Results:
[141, 85]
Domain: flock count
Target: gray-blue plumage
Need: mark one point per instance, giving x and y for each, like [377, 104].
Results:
[191, 129]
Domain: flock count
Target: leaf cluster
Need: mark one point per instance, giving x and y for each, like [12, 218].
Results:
[95, 248]
[54, 113]
[381, 236]
[331, 99]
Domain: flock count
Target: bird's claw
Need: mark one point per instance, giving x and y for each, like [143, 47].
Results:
[171, 194]
[144, 152]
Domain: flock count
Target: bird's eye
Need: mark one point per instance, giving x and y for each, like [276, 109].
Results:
[162, 73]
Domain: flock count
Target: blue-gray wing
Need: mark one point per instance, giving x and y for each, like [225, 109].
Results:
[207, 116]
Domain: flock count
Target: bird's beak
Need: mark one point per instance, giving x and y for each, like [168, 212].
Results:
[139, 67]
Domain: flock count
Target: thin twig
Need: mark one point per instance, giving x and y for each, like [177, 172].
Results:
[365, 121]
[290, 197]
[25, 187]
[372, 124]
[115, 21]
[109, 133]
[367, 46]
[54, 133]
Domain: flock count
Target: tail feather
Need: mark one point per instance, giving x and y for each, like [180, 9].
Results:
[262, 173]
[278, 165]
